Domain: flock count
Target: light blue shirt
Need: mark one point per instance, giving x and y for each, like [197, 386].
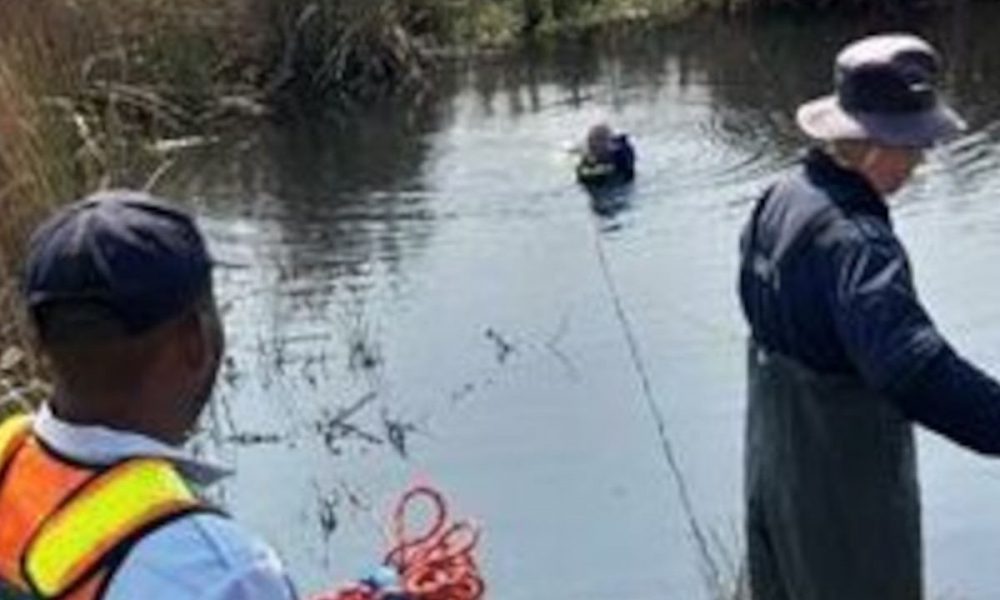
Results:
[203, 556]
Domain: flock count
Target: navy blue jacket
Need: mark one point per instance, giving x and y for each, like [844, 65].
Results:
[824, 280]
[623, 155]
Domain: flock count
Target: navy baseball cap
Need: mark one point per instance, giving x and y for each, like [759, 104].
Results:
[137, 259]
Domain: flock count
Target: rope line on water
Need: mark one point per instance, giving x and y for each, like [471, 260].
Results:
[656, 413]
[437, 564]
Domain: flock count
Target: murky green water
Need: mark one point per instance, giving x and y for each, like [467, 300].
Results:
[414, 292]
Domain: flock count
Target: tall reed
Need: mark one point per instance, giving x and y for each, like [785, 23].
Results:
[69, 118]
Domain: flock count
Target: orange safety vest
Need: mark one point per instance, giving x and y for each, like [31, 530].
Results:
[64, 526]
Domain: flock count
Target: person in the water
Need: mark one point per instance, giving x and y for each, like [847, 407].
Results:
[608, 158]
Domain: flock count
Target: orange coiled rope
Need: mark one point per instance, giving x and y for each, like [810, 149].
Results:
[435, 565]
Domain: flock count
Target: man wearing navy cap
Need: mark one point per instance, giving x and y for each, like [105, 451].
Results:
[97, 498]
[843, 357]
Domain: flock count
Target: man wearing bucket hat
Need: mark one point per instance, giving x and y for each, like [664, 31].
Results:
[843, 357]
[97, 499]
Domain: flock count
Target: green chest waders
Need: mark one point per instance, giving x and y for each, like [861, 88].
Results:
[833, 510]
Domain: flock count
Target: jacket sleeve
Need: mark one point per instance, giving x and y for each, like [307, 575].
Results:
[896, 348]
[201, 557]
[957, 400]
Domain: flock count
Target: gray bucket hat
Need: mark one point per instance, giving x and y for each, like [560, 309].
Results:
[885, 92]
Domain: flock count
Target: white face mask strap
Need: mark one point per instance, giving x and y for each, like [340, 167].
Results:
[872, 154]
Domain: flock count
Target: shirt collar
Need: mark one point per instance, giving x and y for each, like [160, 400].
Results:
[850, 189]
[101, 446]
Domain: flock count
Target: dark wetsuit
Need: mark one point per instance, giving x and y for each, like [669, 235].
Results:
[615, 166]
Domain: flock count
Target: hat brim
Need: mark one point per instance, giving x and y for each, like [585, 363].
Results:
[825, 119]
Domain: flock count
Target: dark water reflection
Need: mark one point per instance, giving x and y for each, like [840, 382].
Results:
[413, 291]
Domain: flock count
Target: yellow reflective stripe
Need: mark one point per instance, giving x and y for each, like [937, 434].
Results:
[106, 511]
[13, 432]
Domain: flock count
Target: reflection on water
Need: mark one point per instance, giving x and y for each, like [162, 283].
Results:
[608, 201]
[414, 292]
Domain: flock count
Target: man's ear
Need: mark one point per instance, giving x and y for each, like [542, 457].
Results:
[193, 333]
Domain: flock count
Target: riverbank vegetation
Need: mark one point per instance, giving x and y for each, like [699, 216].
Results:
[103, 93]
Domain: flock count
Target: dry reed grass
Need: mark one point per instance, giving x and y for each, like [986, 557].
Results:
[88, 88]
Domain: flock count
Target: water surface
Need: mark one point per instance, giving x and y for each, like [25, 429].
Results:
[414, 292]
